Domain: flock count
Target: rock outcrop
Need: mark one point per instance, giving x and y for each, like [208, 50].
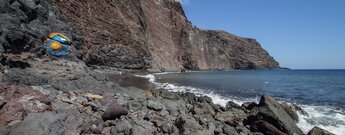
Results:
[112, 109]
[150, 35]
[319, 131]
[269, 117]
[156, 35]
[23, 26]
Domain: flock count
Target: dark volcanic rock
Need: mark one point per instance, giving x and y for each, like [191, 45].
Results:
[257, 133]
[168, 128]
[319, 131]
[123, 126]
[231, 104]
[2, 101]
[132, 125]
[272, 112]
[241, 129]
[60, 74]
[290, 109]
[155, 105]
[112, 109]
[3, 130]
[56, 123]
[24, 23]
[266, 128]
[203, 109]
[24, 77]
[249, 105]
[232, 116]
[295, 109]
[229, 130]
[187, 125]
[43, 123]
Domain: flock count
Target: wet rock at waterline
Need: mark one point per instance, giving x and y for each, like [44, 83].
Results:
[319, 131]
[271, 115]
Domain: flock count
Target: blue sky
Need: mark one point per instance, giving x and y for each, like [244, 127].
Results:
[300, 34]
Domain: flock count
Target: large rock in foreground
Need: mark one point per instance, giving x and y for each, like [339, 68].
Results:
[319, 131]
[271, 115]
[112, 109]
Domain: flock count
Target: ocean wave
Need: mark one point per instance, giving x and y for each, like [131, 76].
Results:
[217, 99]
[325, 117]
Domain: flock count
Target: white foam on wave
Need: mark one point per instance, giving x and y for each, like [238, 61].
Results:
[152, 77]
[217, 99]
[325, 117]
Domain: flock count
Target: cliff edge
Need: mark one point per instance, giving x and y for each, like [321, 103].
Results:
[156, 35]
[152, 35]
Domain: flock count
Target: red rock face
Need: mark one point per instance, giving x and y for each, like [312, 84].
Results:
[19, 100]
[222, 50]
[113, 32]
[156, 35]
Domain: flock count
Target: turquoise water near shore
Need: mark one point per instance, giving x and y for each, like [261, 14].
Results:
[320, 92]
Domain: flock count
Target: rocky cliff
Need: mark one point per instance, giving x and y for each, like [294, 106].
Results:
[132, 34]
[156, 35]
[65, 95]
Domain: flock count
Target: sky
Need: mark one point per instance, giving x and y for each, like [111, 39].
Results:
[299, 34]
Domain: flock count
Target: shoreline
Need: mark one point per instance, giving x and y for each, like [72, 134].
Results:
[186, 112]
[88, 102]
[302, 124]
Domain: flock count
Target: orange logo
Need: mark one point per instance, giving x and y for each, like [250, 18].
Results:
[55, 46]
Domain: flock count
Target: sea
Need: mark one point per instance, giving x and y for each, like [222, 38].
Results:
[321, 93]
